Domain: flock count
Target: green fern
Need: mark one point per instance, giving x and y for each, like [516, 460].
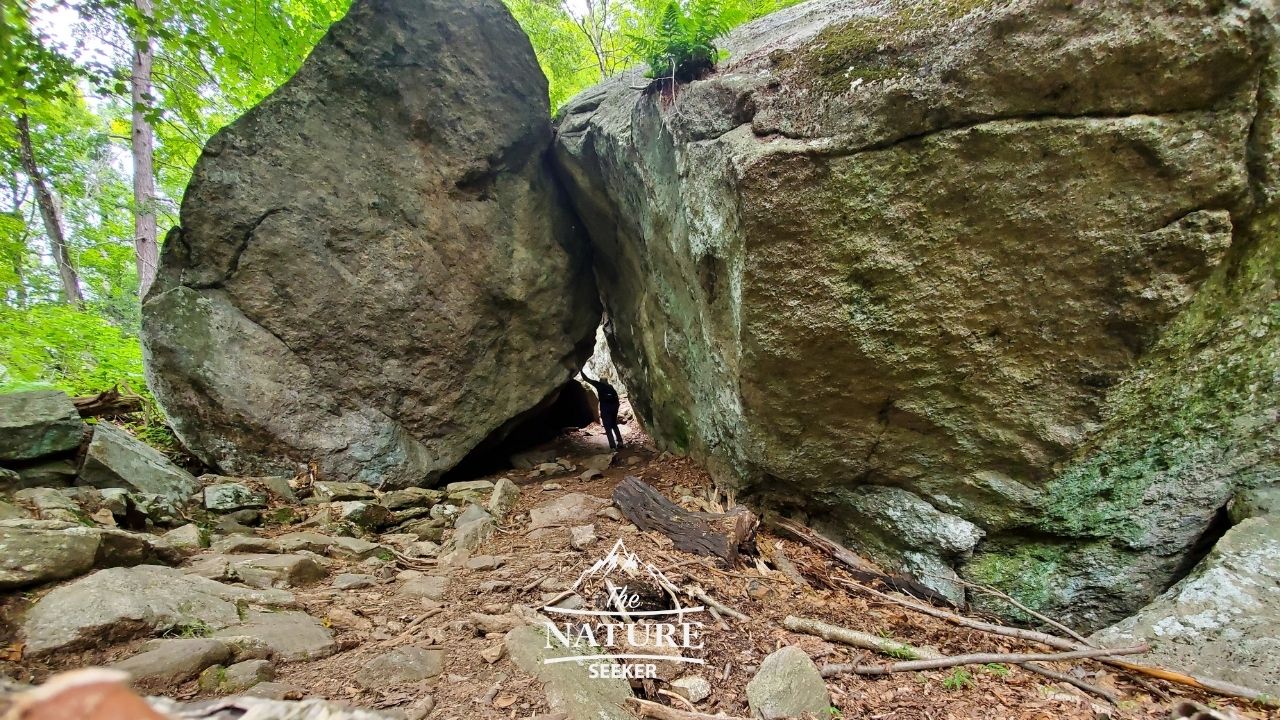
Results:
[681, 46]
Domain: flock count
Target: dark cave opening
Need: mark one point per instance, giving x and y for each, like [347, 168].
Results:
[568, 407]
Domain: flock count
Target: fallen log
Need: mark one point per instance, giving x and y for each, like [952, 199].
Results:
[107, 404]
[1219, 687]
[858, 639]
[976, 659]
[721, 535]
[859, 567]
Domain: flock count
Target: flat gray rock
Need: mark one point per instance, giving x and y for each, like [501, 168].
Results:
[122, 603]
[354, 581]
[174, 661]
[261, 571]
[39, 551]
[38, 423]
[229, 497]
[293, 636]
[569, 509]
[116, 459]
[567, 685]
[433, 587]
[402, 666]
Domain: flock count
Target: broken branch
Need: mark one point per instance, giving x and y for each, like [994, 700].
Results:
[858, 639]
[701, 595]
[1208, 684]
[648, 709]
[977, 659]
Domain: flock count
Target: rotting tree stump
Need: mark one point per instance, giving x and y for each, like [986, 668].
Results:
[721, 535]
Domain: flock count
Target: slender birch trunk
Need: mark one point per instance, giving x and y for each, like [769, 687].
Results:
[143, 144]
[50, 213]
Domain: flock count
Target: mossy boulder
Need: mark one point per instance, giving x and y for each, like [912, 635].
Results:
[375, 269]
[1014, 259]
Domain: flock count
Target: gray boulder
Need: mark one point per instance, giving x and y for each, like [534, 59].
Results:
[123, 603]
[504, 498]
[788, 685]
[566, 684]
[292, 636]
[401, 666]
[37, 424]
[965, 250]
[406, 159]
[39, 551]
[1220, 621]
[229, 497]
[116, 459]
[260, 571]
[175, 661]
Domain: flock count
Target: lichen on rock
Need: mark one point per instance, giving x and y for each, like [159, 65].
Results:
[1012, 259]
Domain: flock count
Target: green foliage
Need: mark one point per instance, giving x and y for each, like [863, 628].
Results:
[681, 44]
[190, 629]
[959, 679]
[60, 346]
[997, 669]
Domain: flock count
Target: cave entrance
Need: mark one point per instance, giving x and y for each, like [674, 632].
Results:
[571, 406]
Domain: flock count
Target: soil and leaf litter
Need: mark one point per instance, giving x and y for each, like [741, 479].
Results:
[883, 652]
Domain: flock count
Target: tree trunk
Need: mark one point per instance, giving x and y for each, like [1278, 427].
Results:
[722, 535]
[50, 214]
[143, 141]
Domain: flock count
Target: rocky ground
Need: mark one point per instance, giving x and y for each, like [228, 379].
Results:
[417, 603]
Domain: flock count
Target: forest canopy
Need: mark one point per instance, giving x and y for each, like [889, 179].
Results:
[106, 104]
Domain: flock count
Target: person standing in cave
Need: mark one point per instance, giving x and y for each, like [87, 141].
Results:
[608, 409]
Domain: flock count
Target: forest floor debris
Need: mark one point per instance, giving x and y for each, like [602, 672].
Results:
[830, 609]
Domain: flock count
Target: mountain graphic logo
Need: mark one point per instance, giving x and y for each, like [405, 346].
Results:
[626, 639]
[620, 560]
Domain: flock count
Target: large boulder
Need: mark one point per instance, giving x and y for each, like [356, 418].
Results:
[1016, 259]
[39, 551]
[124, 603]
[376, 270]
[38, 423]
[1220, 620]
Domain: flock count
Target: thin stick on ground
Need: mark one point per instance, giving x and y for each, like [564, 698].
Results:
[1031, 613]
[1101, 692]
[408, 631]
[678, 698]
[648, 709]
[977, 659]
[858, 639]
[1208, 684]
[701, 595]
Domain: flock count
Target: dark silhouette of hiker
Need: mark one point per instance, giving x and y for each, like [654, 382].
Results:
[608, 410]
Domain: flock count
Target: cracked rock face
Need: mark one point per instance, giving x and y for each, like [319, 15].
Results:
[375, 269]
[981, 252]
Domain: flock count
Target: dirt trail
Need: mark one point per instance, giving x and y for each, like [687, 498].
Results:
[532, 567]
